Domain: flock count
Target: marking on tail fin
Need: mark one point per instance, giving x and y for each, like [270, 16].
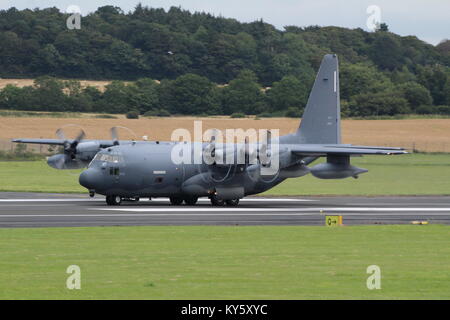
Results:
[335, 81]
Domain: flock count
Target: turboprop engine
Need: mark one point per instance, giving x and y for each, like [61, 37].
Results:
[78, 153]
[336, 167]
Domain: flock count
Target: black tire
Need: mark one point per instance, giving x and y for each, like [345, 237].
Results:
[113, 200]
[232, 203]
[191, 201]
[176, 201]
[217, 202]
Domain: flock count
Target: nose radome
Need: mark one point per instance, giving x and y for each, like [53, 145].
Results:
[89, 179]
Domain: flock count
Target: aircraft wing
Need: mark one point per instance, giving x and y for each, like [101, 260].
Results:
[60, 142]
[323, 150]
[57, 142]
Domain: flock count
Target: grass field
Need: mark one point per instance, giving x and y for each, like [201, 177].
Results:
[226, 262]
[414, 174]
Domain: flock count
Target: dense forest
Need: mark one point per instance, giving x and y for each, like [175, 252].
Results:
[211, 65]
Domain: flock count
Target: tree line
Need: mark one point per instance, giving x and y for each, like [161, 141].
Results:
[363, 93]
[211, 65]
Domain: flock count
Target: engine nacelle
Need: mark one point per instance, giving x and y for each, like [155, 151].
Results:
[64, 162]
[87, 150]
[336, 167]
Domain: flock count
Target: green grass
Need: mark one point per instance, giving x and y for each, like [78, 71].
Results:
[37, 176]
[226, 262]
[414, 174]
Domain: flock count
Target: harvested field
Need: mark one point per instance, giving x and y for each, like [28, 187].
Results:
[29, 82]
[430, 135]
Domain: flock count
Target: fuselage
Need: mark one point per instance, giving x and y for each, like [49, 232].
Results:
[148, 170]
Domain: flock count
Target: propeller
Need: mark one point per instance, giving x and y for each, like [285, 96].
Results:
[114, 136]
[209, 152]
[70, 147]
[245, 153]
[265, 149]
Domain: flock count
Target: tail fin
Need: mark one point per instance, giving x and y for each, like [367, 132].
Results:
[321, 122]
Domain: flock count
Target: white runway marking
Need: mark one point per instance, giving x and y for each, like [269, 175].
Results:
[150, 215]
[317, 209]
[155, 200]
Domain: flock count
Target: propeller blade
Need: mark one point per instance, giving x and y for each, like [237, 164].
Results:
[57, 161]
[72, 150]
[265, 147]
[244, 154]
[60, 134]
[210, 150]
[114, 136]
[81, 136]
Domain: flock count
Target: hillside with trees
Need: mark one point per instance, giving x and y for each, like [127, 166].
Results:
[211, 65]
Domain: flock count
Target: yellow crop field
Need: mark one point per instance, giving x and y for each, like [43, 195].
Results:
[431, 135]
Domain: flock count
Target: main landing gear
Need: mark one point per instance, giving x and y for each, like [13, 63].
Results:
[113, 200]
[220, 203]
[192, 201]
[178, 201]
[117, 200]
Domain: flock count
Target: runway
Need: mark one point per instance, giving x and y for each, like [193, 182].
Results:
[61, 210]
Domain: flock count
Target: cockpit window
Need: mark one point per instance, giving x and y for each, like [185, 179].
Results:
[108, 158]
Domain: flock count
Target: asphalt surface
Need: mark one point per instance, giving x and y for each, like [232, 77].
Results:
[62, 210]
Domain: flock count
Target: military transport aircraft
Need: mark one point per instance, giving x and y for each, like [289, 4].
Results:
[129, 170]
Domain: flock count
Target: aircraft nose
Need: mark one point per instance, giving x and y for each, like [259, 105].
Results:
[90, 179]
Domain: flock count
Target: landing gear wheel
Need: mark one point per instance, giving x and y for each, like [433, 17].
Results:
[113, 200]
[232, 203]
[217, 202]
[176, 201]
[191, 201]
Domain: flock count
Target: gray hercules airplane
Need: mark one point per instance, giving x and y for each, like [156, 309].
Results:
[128, 170]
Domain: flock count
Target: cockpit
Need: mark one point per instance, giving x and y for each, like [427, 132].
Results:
[110, 158]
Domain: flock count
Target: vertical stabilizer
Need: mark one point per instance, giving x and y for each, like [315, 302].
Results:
[321, 122]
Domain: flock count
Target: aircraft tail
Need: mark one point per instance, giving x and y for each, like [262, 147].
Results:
[321, 122]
